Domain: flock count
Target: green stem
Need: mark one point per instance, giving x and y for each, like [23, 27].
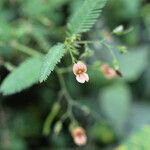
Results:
[64, 117]
[71, 54]
[50, 118]
[9, 66]
[25, 49]
[99, 42]
[72, 102]
[44, 20]
[86, 42]
[42, 41]
[67, 96]
[111, 51]
[89, 42]
[65, 70]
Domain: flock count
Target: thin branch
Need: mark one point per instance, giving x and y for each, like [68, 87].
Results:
[27, 50]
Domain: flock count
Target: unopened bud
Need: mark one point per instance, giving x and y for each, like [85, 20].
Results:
[118, 30]
[79, 136]
[58, 127]
[122, 49]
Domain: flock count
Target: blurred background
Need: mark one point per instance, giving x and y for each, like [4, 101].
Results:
[121, 118]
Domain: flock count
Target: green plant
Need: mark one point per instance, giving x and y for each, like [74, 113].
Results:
[40, 65]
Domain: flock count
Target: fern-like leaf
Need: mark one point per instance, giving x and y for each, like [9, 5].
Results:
[86, 16]
[51, 59]
[22, 77]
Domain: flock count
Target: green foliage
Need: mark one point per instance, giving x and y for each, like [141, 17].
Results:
[123, 9]
[30, 7]
[140, 114]
[115, 104]
[138, 141]
[97, 79]
[51, 59]
[25, 120]
[146, 16]
[29, 28]
[132, 64]
[15, 141]
[5, 30]
[85, 17]
[56, 3]
[74, 6]
[22, 77]
[102, 132]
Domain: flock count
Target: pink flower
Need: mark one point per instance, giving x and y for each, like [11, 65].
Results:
[79, 136]
[108, 72]
[80, 69]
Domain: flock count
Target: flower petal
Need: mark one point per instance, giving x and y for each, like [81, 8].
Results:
[105, 68]
[79, 136]
[80, 140]
[82, 66]
[108, 72]
[75, 68]
[86, 76]
[82, 78]
[111, 74]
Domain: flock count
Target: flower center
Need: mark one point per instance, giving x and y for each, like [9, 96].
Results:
[80, 71]
[79, 134]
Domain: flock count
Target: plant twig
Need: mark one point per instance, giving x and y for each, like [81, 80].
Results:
[67, 96]
[27, 50]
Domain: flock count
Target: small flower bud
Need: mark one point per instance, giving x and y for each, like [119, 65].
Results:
[118, 30]
[79, 136]
[108, 72]
[122, 49]
[58, 127]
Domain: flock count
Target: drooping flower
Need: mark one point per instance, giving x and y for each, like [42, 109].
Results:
[80, 69]
[79, 136]
[108, 72]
